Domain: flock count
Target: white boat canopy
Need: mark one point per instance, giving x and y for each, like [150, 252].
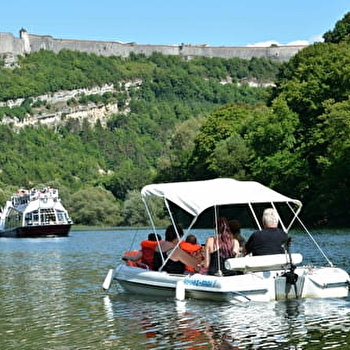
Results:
[196, 196]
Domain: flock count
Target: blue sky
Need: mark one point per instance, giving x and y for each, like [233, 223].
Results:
[169, 22]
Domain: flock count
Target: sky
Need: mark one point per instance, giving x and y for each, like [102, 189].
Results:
[173, 22]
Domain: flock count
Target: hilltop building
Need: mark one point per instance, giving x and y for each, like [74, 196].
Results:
[29, 43]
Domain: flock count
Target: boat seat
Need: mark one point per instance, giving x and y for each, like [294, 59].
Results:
[262, 262]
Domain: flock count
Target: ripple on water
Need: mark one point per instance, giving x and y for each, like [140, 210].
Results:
[197, 325]
[51, 298]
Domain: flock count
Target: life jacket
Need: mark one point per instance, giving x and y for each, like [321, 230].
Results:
[147, 249]
[130, 262]
[194, 250]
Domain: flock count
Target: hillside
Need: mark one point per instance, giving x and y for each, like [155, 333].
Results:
[99, 128]
[83, 121]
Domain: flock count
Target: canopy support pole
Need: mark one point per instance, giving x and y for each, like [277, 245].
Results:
[254, 215]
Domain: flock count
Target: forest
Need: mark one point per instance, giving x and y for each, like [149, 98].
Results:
[185, 120]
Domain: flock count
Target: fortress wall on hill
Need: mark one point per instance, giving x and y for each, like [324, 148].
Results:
[28, 43]
[11, 45]
[279, 53]
[103, 48]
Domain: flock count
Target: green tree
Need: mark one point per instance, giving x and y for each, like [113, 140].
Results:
[94, 206]
[135, 213]
[332, 135]
[230, 157]
[221, 125]
[341, 31]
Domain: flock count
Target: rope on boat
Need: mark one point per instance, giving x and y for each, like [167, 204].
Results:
[311, 237]
[133, 240]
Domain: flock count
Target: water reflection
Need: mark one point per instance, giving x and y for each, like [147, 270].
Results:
[191, 324]
[51, 298]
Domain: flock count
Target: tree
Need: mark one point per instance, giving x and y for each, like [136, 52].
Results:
[332, 136]
[135, 214]
[341, 31]
[94, 206]
[230, 158]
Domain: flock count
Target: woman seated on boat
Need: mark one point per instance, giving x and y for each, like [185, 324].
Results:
[219, 248]
[270, 239]
[174, 257]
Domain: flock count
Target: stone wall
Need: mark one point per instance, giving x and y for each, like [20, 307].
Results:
[27, 43]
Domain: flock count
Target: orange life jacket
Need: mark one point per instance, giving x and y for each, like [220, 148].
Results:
[147, 249]
[194, 250]
[130, 262]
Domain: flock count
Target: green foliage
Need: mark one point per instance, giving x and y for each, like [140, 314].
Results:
[183, 120]
[230, 157]
[332, 136]
[305, 150]
[317, 73]
[222, 124]
[341, 31]
[299, 142]
[94, 206]
[135, 214]
[172, 165]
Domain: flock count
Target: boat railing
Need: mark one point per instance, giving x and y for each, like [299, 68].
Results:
[25, 196]
[44, 194]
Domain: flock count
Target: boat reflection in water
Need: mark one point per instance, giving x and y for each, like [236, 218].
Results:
[193, 324]
[35, 213]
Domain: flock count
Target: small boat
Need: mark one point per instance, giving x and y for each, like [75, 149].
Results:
[197, 204]
[35, 213]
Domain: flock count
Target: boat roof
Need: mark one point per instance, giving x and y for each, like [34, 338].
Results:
[196, 196]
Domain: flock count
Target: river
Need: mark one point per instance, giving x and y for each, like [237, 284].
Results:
[51, 298]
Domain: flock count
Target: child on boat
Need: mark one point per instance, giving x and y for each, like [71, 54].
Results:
[191, 247]
[170, 258]
[148, 247]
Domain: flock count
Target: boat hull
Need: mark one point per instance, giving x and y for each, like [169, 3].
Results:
[61, 230]
[323, 282]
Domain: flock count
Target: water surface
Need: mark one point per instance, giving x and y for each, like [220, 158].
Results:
[51, 298]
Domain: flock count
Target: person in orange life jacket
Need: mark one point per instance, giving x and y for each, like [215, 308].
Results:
[147, 249]
[175, 258]
[191, 247]
[145, 255]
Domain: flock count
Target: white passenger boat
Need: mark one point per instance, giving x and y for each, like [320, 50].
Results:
[35, 213]
[260, 278]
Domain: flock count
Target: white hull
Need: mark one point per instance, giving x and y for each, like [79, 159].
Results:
[322, 282]
[35, 214]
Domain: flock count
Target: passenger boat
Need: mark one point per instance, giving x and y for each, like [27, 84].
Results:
[260, 278]
[35, 213]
